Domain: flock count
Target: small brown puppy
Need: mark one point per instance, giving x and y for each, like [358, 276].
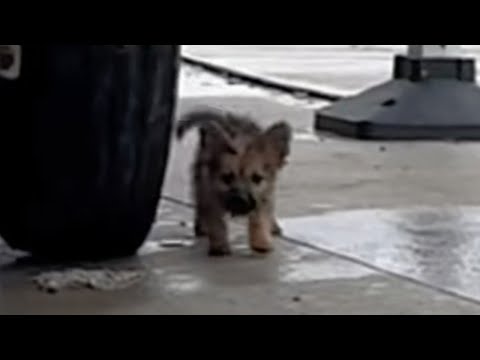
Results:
[235, 173]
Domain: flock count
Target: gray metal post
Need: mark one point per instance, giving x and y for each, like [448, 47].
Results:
[433, 51]
[433, 95]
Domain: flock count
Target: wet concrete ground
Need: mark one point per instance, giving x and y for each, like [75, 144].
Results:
[181, 280]
[372, 228]
[437, 247]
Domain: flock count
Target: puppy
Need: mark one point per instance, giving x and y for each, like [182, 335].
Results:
[235, 174]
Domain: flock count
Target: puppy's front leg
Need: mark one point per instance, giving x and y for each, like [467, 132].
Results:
[261, 229]
[218, 236]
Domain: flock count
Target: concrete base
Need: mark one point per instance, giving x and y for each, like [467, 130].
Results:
[434, 99]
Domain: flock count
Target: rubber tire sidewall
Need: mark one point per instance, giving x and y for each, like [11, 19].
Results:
[85, 138]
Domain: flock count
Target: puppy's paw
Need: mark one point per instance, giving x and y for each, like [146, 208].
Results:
[220, 251]
[262, 244]
[263, 250]
[261, 238]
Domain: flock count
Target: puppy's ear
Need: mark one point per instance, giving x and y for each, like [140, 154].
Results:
[277, 142]
[217, 139]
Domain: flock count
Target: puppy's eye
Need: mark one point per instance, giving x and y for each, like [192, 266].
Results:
[228, 179]
[257, 179]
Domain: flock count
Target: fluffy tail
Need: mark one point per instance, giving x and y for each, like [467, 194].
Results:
[201, 120]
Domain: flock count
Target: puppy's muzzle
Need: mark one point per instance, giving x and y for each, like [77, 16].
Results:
[240, 203]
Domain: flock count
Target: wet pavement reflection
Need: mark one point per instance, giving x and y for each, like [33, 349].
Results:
[436, 246]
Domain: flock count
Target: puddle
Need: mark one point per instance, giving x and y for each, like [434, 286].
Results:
[154, 247]
[306, 137]
[437, 246]
[301, 272]
[164, 211]
[150, 248]
[302, 266]
[177, 243]
[376, 289]
[183, 283]
[166, 223]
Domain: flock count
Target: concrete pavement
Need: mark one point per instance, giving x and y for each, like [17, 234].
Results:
[325, 193]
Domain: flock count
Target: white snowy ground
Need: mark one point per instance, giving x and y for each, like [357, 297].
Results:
[195, 83]
[341, 69]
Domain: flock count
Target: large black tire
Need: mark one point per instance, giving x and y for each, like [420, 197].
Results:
[84, 144]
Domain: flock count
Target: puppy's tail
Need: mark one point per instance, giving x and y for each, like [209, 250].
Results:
[201, 119]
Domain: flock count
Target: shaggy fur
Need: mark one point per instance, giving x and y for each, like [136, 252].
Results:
[235, 174]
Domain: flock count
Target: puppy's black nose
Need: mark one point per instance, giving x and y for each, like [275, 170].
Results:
[240, 204]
